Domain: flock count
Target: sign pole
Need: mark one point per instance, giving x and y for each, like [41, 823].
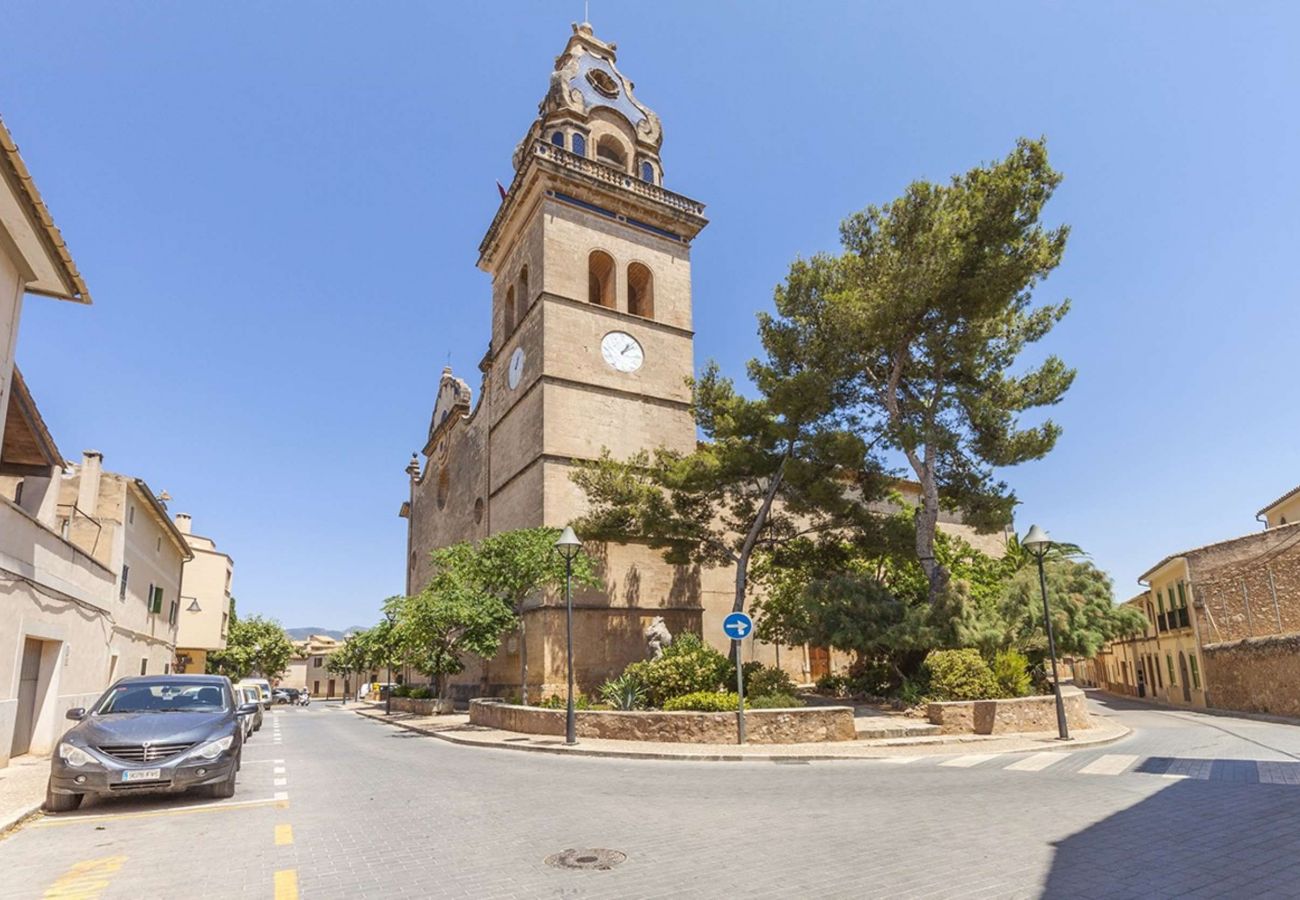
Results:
[740, 692]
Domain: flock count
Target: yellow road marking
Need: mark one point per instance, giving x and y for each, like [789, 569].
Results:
[286, 884]
[61, 821]
[85, 880]
[283, 835]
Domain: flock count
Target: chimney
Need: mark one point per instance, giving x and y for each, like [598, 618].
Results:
[92, 467]
[183, 523]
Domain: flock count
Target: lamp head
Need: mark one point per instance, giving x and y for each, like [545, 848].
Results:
[568, 544]
[1037, 541]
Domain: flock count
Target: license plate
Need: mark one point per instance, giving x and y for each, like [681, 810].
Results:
[142, 775]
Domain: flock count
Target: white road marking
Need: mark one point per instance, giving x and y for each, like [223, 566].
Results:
[1110, 764]
[965, 762]
[281, 795]
[1037, 762]
[281, 782]
[899, 760]
[279, 770]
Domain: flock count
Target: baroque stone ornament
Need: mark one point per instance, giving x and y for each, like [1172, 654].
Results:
[657, 637]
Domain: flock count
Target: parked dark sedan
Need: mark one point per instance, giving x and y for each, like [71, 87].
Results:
[166, 732]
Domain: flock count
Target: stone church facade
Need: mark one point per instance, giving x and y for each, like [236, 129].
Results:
[591, 348]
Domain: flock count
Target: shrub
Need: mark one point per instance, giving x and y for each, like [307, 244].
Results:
[835, 685]
[1011, 670]
[627, 691]
[773, 701]
[873, 677]
[704, 701]
[420, 693]
[687, 666]
[560, 701]
[912, 692]
[960, 675]
[766, 681]
[400, 690]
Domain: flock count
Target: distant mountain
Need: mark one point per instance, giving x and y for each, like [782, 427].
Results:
[301, 634]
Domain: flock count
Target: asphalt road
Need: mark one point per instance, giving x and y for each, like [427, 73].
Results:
[339, 806]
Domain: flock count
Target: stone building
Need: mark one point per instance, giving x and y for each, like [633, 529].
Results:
[205, 600]
[307, 669]
[591, 347]
[1224, 624]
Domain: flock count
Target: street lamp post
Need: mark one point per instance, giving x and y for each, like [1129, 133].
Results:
[388, 652]
[569, 547]
[1037, 542]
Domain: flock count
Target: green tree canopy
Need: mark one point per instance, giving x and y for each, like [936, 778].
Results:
[930, 305]
[1080, 597]
[254, 646]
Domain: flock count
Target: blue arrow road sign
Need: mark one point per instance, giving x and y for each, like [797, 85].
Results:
[737, 625]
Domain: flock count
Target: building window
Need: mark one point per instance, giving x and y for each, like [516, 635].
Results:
[173, 612]
[315, 662]
[1160, 679]
[558, 138]
[18, 493]
[155, 599]
[121, 590]
[600, 279]
[523, 297]
[478, 512]
[609, 150]
[1170, 659]
[640, 291]
[144, 665]
[579, 145]
[444, 487]
[1182, 595]
[1196, 672]
[647, 173]
[167, 668]
[508, 312]
[130, 515]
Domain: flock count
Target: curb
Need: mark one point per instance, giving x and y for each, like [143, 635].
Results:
[579, 750]
[16, 822]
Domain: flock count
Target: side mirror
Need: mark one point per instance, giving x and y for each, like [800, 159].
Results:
[246, 709]
[76, 714]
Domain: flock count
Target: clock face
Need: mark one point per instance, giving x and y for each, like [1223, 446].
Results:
[622, 351]
[516, 370]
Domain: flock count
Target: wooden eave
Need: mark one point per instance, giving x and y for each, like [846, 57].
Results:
[28, 449]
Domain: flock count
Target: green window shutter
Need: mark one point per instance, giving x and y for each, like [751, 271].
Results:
[1160, 596]
[1196, 674]
[1169, 659]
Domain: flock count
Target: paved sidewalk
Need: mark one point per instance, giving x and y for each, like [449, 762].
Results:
[458, 730]
[22, 789]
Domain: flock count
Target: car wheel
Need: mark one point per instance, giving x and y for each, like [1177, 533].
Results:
[224, 790]
[61, 802]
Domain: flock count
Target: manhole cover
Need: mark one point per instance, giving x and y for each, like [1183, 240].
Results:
[586, 859]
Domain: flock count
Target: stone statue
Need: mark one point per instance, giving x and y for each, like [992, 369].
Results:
[658, 637]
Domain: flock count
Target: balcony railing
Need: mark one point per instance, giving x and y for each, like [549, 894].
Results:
[618, 177]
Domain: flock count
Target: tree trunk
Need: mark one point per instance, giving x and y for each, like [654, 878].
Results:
[523, 661]
[747, 548]
[927, 521]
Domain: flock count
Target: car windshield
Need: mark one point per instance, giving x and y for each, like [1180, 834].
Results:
[162, 697]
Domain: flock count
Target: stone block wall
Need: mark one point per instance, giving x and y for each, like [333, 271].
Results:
[763, 726]
[1255, 675]
[1021, 714]
[1248, 587]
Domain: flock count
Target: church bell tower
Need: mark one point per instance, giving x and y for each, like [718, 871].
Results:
[591, 349]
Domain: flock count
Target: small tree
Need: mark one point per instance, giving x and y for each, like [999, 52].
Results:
[448, 620]
[253, 645]
[511, 567]
[1081, 601]
[349, 659]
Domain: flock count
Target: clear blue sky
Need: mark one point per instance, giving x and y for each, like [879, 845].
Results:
[277, 208]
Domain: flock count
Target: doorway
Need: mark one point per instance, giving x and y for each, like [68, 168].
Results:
[819, 662]
[329, 688]
[29, 680]
[1182, 674]
[1141, 679]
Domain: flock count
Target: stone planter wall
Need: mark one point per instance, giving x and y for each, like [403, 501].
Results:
[762, 726]
[1007, 716]
[423, 707]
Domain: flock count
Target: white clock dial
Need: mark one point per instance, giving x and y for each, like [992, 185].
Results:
[622, 351]
[516, 370]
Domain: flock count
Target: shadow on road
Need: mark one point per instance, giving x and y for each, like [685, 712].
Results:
[1219, 837]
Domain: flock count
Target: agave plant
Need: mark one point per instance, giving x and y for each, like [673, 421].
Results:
[624, 692]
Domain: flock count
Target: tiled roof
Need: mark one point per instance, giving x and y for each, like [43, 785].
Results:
[13, 162]
[1285, 497]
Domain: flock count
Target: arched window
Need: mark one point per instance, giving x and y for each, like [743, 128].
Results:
[600, 278]
[647, 173]
[579, 144]
[640, 291]
[609, 149]
[558, 138]
[523, 295]
[508, 312]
